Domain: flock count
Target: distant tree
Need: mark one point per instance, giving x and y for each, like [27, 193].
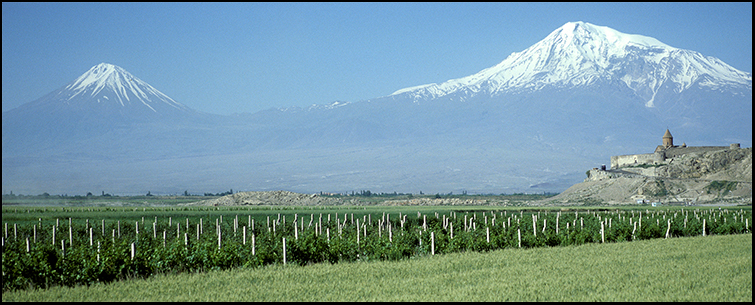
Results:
[149, 193]
[186, 193]
[89, 194]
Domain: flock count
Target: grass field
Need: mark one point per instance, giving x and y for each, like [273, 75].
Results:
[712, 268]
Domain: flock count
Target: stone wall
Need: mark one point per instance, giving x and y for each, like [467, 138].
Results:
[629, 160]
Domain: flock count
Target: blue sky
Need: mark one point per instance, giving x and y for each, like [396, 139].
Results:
[245, 57]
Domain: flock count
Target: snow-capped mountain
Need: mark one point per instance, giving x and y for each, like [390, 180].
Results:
[109, 92]
[106, 83]
[581, 54]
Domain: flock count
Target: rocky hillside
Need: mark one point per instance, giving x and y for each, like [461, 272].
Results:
[272, 198]
[705, 177]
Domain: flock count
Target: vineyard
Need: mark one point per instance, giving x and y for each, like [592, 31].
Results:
[45, 247]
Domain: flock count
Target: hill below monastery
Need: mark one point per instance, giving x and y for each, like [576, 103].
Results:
[717, 176]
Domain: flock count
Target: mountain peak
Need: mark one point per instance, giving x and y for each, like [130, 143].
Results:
[110, 83]
[580, 54]
[583, 31]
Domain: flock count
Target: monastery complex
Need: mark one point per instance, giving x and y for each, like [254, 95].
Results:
[664, 153]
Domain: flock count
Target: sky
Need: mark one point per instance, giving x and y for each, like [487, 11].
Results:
[227, 58]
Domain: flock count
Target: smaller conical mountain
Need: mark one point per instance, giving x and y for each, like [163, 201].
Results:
[102, 105]
[109, 91]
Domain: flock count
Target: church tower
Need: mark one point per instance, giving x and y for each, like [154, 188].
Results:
[668, 139]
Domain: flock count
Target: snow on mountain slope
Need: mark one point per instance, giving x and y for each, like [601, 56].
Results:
[109, 83]
[580, 53]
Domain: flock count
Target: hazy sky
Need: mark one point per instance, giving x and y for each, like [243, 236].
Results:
[245, 57]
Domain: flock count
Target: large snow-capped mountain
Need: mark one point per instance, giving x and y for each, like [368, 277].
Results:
[581, 54]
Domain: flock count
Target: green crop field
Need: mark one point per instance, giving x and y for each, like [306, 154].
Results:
[51, 247]
[711, 268]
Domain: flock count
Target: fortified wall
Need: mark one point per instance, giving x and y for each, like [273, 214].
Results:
[663, 153]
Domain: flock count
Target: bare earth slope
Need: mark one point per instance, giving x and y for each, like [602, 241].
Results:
[716, 176]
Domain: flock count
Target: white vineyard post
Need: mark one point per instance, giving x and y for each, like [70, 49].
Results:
[284, 250]
[487, 234]
[90, 237]
[98, 251]
[219, 234]
[544, 220]
[534, 225]
[602, 232]
[197, 231]
[357, 232]
[154, 230]
[432, 243]
[244, 238]
[669, 228]
[253, 243]
[519, 234]
[452, 230]
[703, 226]
[163, 238]
[27, 244]
[390, 233]
[557, 215]
[133, 251]
[53, 236]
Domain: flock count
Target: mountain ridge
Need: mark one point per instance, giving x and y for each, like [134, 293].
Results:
[534, 140]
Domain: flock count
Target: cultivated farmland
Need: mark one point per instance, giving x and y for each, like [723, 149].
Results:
[46, 247]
